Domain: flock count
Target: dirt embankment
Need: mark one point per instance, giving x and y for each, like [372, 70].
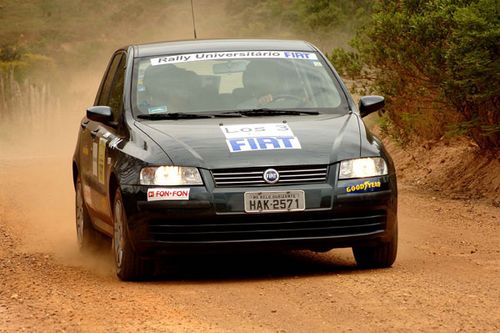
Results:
[456, 169]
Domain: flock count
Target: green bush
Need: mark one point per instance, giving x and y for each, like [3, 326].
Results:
[437, 62]
[323, 22]
[22, 64]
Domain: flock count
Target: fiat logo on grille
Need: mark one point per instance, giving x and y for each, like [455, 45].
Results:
[271, 176]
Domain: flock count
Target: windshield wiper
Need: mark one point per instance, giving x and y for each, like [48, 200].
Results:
[238, 113]
[173, 115]
[270, 112]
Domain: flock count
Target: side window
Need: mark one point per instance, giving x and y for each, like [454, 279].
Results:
[108, 80]
[115, 100]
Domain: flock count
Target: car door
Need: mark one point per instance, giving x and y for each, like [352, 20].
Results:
[98, 136]
[106, 136]
[88, 151]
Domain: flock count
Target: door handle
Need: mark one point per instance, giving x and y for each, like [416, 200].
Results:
[84, 124]
[93, 133]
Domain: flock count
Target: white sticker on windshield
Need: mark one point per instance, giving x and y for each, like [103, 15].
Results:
[158, 109]
[254, 137]
[174, 59]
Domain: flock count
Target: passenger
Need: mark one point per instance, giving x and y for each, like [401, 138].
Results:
[171, 88]
[260, 81]
[266, 81]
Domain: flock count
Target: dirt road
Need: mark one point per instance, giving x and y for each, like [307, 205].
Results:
[446, 277]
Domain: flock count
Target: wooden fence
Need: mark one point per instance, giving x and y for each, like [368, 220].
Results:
[29, 103]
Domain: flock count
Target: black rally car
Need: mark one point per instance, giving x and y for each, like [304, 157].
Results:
[222, 144]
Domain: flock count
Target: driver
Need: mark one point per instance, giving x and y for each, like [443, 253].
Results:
[171, 87]
[261, 80]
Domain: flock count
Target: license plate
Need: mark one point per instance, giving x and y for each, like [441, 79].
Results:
[270, 202]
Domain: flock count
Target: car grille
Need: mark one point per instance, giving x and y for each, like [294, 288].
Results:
[254, 176]
[268, 226]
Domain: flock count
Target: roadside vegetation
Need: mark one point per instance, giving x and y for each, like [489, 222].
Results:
[46, 45]
[325, 23]
[437, 62]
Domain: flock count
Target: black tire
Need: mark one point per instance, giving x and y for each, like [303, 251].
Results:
[89, 240]
[381, 255]
[129, 265]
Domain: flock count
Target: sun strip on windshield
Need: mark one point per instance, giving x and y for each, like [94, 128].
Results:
[179, 58]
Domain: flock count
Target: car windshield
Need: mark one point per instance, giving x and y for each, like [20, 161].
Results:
[226, 82]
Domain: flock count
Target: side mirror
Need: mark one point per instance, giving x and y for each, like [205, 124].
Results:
[101, 114]
[369, 104]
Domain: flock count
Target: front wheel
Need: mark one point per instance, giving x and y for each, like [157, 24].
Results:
[381, 255]
[87, 237]
[129, 265]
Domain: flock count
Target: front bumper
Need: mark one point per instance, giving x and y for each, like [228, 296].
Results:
[214, 219]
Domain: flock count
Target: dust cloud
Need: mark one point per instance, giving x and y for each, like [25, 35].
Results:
[38, 137]
[36, 191]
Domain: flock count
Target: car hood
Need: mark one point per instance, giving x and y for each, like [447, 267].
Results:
[323, 139]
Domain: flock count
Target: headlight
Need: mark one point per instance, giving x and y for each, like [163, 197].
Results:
[170, 175]
[362, 167]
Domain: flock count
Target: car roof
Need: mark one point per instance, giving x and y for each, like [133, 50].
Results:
[214, 45]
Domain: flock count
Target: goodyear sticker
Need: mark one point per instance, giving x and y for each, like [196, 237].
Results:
[101, 160]
[364, 186]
